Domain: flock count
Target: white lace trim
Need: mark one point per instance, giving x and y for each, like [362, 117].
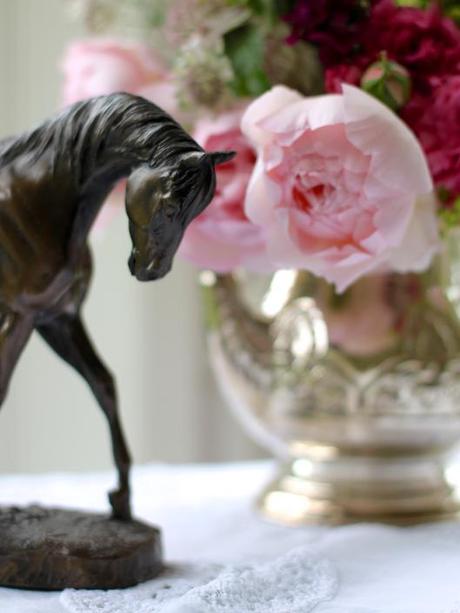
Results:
[293, 583]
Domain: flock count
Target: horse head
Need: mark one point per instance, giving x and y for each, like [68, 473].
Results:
[161, 202]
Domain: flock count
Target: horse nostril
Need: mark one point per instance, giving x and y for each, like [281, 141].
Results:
[155, 263]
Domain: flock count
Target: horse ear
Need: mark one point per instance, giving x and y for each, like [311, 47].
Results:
[220, 157]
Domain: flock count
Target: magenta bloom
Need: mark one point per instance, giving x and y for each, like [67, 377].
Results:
[423, 41]
[334, 27]
[342, 73]
[435, 120]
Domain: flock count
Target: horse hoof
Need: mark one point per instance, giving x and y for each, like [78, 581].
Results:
[120, 503]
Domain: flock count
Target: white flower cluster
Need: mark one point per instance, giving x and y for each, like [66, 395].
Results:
[196, 29]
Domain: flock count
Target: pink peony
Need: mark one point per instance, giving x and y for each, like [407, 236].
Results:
[436, 121]
[341, 185]
[222, 237]
[102, 66]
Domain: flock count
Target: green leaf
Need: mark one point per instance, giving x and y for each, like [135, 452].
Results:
[258, 6]
[268, 10]
[245, 48]
[421, 4]
[451, 215]
[444, 194]
[454, 13]
[283, 7]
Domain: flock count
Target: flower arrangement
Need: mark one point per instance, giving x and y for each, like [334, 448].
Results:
[345, 118]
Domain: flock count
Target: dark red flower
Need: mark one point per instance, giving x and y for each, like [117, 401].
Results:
[334, 27]
[350, 39]
[341, 73]
[435, 119]
[423, 41]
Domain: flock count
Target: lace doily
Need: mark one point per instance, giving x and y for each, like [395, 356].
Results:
[293, 583]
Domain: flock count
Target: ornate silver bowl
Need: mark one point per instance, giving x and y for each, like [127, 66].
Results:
[357, 394]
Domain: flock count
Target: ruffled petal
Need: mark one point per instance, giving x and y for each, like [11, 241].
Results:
[398, 160]
[421, 241]
[262, 196]
[270, 102]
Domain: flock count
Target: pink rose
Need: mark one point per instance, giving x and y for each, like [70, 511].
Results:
[222, 237]
[341, 185]
[102, 66]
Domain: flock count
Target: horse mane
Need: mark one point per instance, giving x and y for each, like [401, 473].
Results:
[115, 130]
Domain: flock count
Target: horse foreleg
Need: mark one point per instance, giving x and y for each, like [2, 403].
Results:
[15, 331]
[67, 336]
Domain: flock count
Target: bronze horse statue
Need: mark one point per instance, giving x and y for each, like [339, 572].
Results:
[53, 181]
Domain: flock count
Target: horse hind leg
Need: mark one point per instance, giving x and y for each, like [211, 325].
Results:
[15, 331]
[67, 336]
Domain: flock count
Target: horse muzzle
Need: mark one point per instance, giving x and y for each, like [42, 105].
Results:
[155, 269]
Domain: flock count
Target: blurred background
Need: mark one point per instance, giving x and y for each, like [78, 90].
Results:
[151, 335]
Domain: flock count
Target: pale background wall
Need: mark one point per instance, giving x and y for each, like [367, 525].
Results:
[151, 335]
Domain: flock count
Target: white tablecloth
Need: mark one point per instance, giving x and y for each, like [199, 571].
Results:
[206, 514]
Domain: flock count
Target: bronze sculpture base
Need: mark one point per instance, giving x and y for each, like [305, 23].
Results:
[53, 549]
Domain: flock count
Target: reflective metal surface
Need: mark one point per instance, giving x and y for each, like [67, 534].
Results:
[358, 394]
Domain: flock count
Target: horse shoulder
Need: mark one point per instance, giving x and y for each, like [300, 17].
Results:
[33, 226]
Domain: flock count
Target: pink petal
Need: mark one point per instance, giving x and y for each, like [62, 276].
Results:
[263, 195]
[295, 119]
[219, 125]
[397, 157]
[270, 102]
[421, 241]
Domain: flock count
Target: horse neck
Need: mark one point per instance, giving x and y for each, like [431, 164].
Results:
[93, 195]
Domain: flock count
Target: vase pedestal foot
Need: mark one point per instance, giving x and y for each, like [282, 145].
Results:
[348, 489]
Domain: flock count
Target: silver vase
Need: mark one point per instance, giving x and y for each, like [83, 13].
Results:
[358, 394]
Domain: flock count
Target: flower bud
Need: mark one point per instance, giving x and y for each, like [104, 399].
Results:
[389, 82]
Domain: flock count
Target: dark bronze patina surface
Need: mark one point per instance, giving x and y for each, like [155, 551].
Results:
[52, 549]
[53, 181]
